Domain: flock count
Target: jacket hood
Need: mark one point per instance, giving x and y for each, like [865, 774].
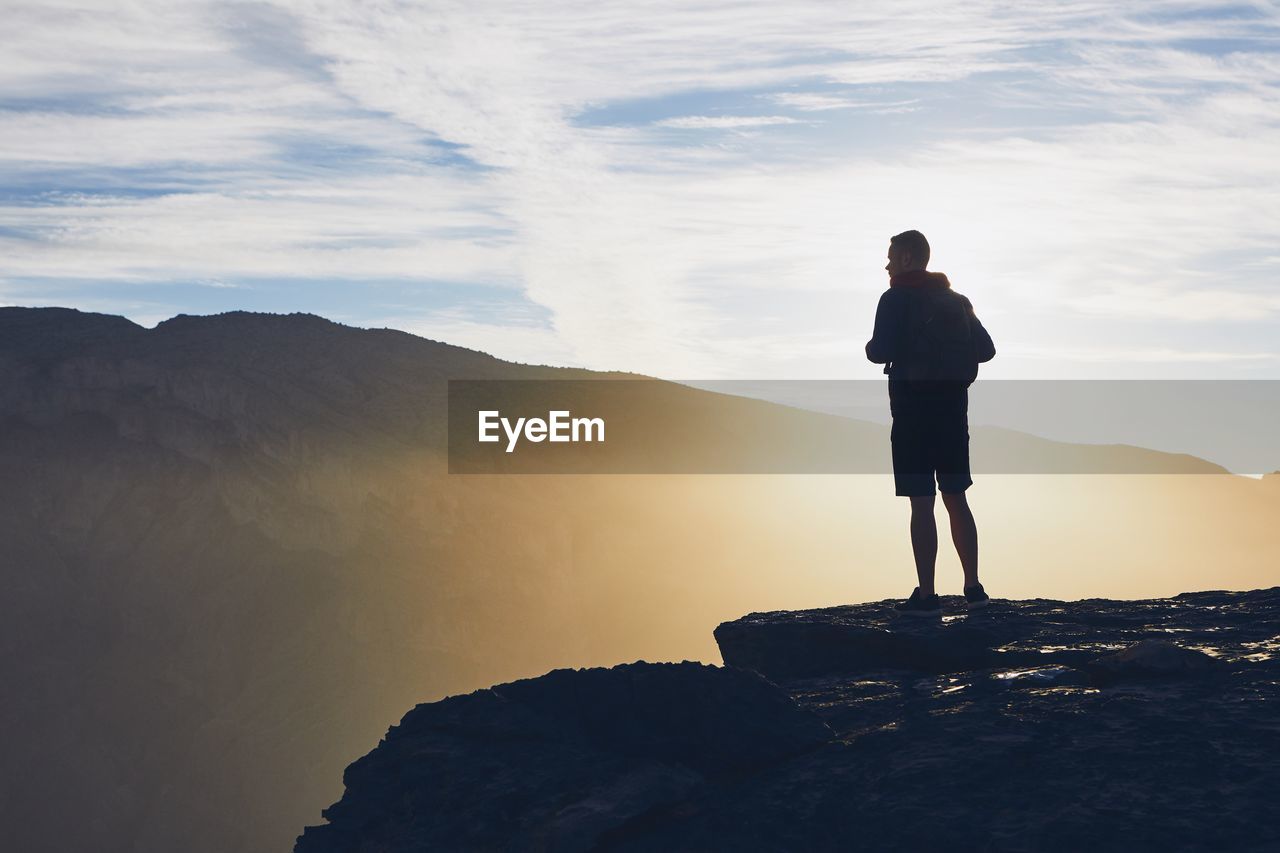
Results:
[920, 278]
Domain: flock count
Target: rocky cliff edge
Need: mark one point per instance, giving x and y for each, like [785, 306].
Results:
[1029, 725]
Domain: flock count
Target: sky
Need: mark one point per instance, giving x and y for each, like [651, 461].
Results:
[690, 190]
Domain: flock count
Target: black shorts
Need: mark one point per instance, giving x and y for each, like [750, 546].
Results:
[930, 444]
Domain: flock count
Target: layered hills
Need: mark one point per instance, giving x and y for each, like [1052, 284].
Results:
[233, 555]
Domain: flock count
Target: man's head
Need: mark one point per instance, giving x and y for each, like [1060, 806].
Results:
[907, 251]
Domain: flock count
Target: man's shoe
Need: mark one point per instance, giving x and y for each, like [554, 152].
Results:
[918, 605]
[975, 596]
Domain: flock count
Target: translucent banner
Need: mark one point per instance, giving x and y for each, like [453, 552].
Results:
[651, 426]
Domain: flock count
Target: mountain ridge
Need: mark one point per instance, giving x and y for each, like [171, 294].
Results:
[291, 346]
[233, 553]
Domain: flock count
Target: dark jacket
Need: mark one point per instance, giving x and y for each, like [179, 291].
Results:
[887, 343]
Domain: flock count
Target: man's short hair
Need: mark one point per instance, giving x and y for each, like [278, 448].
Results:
[914, 243]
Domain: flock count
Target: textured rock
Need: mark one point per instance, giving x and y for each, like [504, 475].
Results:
[844, 639]
[1036, 751]
[560, 761]
[1036, 633]
[1037, 756]
[1152, 658]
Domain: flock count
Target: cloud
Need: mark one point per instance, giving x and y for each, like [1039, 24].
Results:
[719, 122]
[1075, 163]
[1111, 355]
[427, 226]
[818, 102]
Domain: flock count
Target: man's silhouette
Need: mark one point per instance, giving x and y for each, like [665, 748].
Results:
[930, 342]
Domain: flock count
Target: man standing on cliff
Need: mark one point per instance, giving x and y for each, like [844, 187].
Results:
[930, 341]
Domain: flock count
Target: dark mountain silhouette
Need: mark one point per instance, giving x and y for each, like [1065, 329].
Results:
[1030, 725]
[232, 555]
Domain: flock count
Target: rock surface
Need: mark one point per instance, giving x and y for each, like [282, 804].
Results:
[1030, 725]
[1035, 633]
[1152, 658]
[559, 762]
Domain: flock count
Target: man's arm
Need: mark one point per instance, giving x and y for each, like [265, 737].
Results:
[983, 346]
[885, 344]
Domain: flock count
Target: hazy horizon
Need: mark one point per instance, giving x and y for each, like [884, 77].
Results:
[1226, 423]
[235, 546]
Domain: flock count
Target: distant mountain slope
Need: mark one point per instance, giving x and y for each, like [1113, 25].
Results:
[232, 556]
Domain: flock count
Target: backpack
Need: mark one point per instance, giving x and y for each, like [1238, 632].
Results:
[939, 345]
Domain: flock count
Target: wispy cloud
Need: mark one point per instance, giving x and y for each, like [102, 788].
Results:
[1113, 355]
[1078, 165]
[716, 122]
[818, 102]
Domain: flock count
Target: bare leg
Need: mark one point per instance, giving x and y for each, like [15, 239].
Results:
[924, 541]
[964, 533]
